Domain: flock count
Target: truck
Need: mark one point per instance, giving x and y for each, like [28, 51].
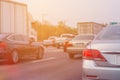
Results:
[89, 28]
[14, 18]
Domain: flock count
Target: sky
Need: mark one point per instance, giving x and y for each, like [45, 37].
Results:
[74, 11]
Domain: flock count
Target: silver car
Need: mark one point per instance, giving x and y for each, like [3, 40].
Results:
[75, 46]
[101, 59]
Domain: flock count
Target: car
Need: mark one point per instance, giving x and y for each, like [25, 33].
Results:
[60, 41]
[75, 46]
[14, 46]
[101, 58]
[50, 41]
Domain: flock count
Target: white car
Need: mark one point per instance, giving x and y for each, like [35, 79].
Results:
[50, 41]
[60, 41]
[101, 59]
[75, 46]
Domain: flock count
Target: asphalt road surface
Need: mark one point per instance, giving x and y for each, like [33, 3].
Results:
[55, 65]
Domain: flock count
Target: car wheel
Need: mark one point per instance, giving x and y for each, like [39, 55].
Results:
[65, 48]
[40, 53]
[14, 57]
[71, 56]
[46, 46]
[58, 46]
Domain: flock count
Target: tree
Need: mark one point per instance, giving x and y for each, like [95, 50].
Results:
[46, 30]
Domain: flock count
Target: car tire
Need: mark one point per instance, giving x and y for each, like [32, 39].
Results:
[40, 53]
[58, 46]
[71, 56]
[14, 58]
[65, 48]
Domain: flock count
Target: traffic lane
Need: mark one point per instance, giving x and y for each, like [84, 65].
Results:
[52, 68]
[54, 52]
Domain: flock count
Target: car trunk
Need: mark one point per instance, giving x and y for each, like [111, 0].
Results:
[79, 43]
[110, 51]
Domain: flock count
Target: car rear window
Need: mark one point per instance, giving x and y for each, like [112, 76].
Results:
[110, 33]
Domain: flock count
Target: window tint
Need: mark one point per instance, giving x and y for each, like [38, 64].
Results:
[110, 33]
[25, 38]
[16, 37]
[11, 37]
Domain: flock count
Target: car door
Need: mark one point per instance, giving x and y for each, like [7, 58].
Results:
[18, 43]
[30, 49]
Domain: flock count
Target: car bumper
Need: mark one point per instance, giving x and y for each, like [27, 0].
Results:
[93, 72]
[74, 50]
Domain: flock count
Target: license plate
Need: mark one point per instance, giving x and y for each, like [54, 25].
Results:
[78, 55]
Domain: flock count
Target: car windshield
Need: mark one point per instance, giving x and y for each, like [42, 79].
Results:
[2, 36]
[84, 37]
[110, 33]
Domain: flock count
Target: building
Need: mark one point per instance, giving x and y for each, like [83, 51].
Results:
[14, 18]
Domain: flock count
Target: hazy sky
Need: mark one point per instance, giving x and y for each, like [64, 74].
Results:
[73, 11]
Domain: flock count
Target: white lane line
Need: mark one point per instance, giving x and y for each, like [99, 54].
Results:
[51, 58]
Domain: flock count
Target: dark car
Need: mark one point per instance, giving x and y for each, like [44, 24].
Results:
[15, 46]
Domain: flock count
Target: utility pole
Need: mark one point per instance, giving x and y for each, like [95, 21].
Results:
[43, 17]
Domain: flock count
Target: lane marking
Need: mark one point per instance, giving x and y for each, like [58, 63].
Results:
[51, 58]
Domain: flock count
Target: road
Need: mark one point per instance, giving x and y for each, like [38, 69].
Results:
[55, 65]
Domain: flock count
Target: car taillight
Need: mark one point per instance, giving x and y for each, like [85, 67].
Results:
[69, 44]
[3, 45]
[93, 54]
